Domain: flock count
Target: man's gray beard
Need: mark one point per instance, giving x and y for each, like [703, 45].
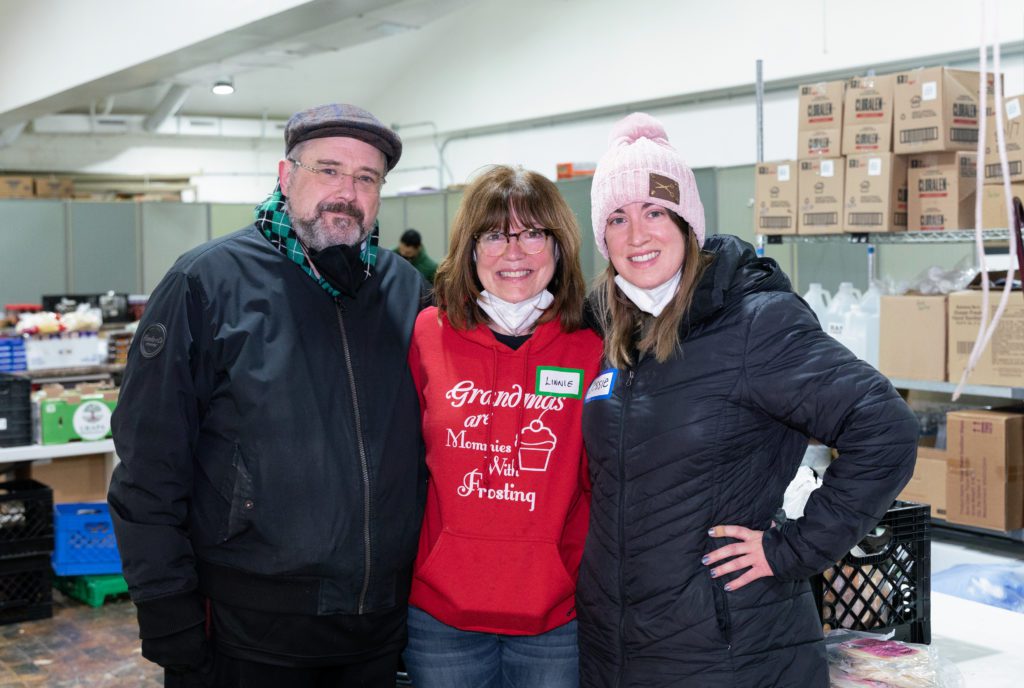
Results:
[313, 234]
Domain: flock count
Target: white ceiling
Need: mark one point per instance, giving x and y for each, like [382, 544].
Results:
[288, 74]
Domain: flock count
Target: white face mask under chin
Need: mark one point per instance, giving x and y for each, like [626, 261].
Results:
[514, 318]
[652, 300]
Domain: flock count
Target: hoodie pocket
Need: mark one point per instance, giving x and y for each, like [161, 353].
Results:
[501, 582]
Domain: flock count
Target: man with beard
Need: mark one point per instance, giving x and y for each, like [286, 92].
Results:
[271, 482]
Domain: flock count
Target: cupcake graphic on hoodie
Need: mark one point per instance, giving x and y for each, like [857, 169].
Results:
[536, 443]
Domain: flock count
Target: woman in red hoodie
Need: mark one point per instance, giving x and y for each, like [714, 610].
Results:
[502, 364]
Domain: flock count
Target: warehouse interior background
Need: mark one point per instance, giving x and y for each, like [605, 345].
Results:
[116, 96]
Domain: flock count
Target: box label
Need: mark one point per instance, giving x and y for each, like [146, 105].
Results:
[828, 168]
[1013, 108]
[929, 90]
[783, 173]
[875, 167]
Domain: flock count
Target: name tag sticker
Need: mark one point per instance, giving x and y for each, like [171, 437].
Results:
[559, 382]
[602, 386]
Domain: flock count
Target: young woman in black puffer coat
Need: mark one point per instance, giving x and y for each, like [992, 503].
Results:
[715, 376]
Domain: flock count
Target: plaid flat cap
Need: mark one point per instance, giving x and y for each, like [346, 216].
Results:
[339, 119]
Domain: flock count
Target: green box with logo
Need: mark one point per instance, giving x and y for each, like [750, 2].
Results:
[81, 414]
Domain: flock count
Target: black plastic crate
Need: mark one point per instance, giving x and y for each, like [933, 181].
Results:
[15, 411]
[25, 592]
[26, 519]
[885, 583]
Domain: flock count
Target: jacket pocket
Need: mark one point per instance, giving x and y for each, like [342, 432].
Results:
[722, 615]
[242, 502]
[501, 582]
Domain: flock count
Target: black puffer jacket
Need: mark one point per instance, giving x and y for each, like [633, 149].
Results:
[712, 437]
[269, 437]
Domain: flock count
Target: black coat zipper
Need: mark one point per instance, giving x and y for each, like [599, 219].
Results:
[363, 464]
[622, 527]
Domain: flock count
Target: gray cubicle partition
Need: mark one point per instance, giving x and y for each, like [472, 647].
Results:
[168, 230]
[33, 250]
[103, 245]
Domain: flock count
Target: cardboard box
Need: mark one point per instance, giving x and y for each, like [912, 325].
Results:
[775, 197]
[912, 337]
[868, 114]
[876, 193]
[62, 416]
[1002, 362]
[820, 185]
[993, 208]
[820, 127]
[936, 109]
[819, 143]
[985, 475]
[928, 484]
[821, 105]
[15, 187]
[941, 196]
[75, 478]
[1013, 131]
[53, 187]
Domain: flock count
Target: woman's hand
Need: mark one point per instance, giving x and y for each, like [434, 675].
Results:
[748, 554]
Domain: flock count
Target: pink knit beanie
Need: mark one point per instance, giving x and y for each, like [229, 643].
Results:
[641, 166]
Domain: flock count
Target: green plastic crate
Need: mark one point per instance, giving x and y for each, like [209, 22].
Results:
[93, 590]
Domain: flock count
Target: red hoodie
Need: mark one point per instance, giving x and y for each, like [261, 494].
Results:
[508, 499]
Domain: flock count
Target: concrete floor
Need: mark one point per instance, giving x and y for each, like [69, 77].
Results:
[79, 647]
[86, 647]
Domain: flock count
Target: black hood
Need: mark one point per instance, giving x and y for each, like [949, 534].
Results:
[735, 271]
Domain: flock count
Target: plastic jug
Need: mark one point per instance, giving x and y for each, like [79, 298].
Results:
[818, 299]
[860, 334]
[872, 299]
[846, 297]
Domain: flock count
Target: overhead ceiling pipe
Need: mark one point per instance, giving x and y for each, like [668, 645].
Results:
[167, 108]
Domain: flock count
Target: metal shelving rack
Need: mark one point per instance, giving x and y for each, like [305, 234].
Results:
[952, 236]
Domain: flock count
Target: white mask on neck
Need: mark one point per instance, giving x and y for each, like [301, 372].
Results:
[514, 318]
[652, 300]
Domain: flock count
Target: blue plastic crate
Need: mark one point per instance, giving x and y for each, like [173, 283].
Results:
[84, 542]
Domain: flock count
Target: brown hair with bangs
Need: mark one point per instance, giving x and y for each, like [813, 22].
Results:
[628, 329]
[495, 200]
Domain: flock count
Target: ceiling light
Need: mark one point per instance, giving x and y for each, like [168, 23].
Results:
[223, 87]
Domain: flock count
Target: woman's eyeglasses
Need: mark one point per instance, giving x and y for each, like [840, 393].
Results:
[495, 243]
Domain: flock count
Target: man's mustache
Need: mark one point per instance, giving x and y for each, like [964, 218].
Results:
[349, 209]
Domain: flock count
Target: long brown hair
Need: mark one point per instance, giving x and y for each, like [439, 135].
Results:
[494, 200]
[626, 327]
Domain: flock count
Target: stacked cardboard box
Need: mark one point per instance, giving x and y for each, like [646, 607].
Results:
[936, 110]
[1013, 132]
[876, 193]
[821, 119]
[868, 115]
[821, 196]
[775, 198]
[15, 187]
[928, 484]
[985, 476]
[993, 204]
[941, 188]
[912, 337]
[1002, 362]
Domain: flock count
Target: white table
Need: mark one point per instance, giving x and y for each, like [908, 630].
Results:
[986, 643]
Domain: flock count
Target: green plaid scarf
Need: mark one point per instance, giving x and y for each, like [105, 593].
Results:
[273, 221]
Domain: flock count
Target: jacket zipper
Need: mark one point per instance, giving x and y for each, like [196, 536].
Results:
[622, 528]
[363, 464]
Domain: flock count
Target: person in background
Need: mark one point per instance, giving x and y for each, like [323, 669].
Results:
[410, 247]
[266, 504]
[715, 376]
[501, 365]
